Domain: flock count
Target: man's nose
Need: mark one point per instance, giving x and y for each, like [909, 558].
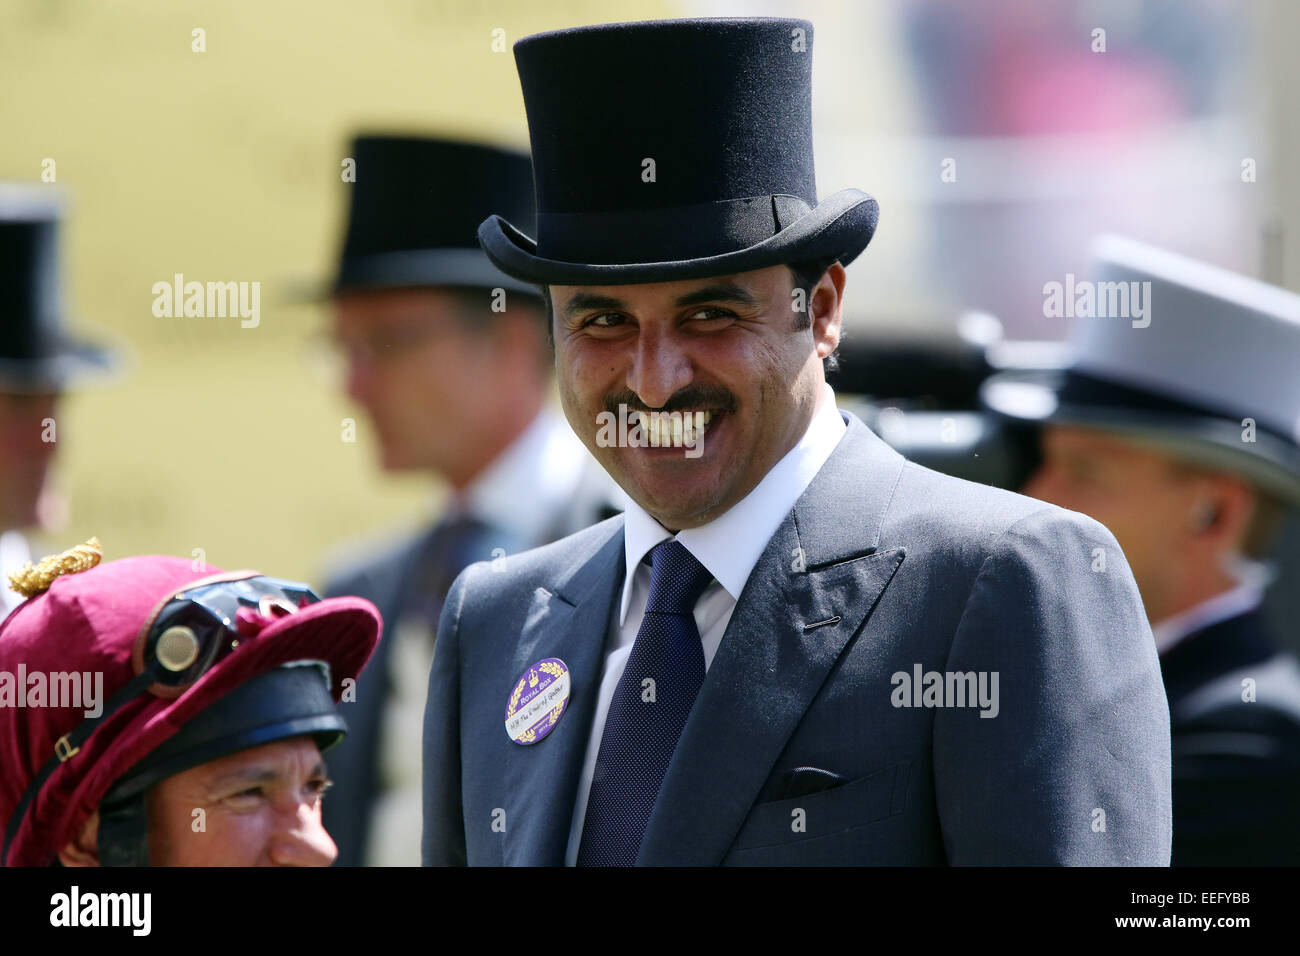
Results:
[303, 840]
[660, 366]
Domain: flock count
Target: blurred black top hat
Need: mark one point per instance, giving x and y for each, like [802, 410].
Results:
[36, 352]
[414, 209]
[722, 107]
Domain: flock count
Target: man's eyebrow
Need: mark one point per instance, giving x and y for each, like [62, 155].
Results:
[583, 301]
[260, 775]
[251, 775]
[718, 292]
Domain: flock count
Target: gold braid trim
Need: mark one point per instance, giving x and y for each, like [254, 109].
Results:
[30, 580]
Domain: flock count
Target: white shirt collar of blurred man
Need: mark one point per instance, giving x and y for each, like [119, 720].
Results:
[1252, 577]
[529, 482]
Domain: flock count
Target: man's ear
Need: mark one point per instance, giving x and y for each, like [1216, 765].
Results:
[1224, 514]
[825, 308]
[83, 849]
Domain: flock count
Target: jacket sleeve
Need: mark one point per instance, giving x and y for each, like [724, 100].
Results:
[443, 841]
[1072, 766]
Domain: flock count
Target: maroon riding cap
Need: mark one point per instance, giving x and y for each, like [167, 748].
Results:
[91, 623]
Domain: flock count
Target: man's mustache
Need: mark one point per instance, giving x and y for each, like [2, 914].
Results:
[693, 397]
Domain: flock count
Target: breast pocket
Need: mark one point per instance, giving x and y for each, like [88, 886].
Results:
[867, 799]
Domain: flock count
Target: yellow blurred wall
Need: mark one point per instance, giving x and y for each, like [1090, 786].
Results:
[224, 166]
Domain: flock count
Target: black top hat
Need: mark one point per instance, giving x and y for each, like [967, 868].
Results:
[414, 209]
[36, 353]
[673, 149]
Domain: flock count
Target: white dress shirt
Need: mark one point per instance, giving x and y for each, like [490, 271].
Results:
[728, 546]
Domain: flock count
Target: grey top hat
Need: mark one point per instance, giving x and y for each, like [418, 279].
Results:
[36, 352]
[1180, 355]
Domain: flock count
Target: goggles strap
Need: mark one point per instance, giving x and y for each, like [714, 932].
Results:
[67, 746]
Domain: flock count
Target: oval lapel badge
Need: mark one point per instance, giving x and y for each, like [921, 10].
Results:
[537, 701]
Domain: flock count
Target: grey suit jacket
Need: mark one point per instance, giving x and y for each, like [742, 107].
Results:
[882, 568]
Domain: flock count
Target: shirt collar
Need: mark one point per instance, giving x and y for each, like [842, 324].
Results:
[730, 545]
[524, 485]
[1253, 578]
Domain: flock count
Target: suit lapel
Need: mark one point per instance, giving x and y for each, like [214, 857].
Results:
[807, 597]
[569, 621]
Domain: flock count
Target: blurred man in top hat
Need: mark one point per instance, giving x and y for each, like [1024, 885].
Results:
[795, 647]
[38, 361]
[1180, 431]
[451, 361]
[162, 714]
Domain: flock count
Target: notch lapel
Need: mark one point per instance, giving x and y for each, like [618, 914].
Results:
[821, 564]
[570, 622]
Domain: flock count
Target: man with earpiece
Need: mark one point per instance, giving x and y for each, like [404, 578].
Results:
[154, 712]
[1181, 434]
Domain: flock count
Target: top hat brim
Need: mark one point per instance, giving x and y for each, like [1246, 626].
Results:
[1269, 462]
[837, 228]
[69, 363]
[411, 269]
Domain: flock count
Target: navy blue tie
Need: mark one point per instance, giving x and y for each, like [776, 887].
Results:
[649, 708]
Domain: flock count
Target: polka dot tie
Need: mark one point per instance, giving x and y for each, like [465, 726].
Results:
[649, 708]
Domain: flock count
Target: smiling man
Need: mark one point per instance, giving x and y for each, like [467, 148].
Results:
[221, 692]
[639, 347]
[261, 807]
[794, 647]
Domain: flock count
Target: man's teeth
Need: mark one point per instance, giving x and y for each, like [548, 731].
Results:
[665, 430]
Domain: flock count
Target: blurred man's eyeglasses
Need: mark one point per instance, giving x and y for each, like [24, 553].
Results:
[329, 355]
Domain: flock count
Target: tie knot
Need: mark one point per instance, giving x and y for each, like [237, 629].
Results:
[677, 579]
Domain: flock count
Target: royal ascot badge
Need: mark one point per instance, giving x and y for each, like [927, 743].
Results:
[537, 701]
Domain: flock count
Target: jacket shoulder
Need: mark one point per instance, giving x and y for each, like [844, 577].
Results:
[542, 566]
[971, 520]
